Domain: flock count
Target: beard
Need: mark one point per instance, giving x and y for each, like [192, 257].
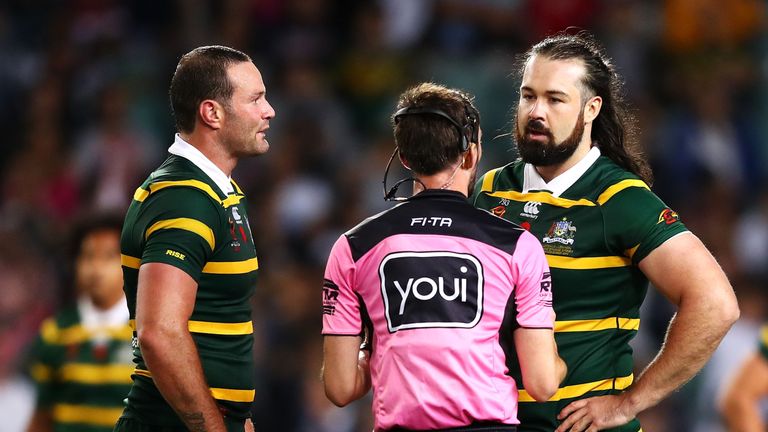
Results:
[547, 153]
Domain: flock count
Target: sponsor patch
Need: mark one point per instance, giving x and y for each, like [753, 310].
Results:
[545, 293]
[175, 254]
[330, 297]
[531, 209]
[431, 290]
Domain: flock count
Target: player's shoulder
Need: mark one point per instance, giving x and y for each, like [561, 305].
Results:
[607, 182]
[503, 178]
[177, 179]
[55, 326]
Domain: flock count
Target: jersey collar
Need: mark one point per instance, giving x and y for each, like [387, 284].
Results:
[93, 318]
[192, 154]
[532, 181]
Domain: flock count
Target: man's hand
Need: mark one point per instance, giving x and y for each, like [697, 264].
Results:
[248, 425]
[594, 414]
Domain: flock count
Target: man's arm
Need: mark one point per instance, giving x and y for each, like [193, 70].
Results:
[165, 301]
[346, 374]
[542, 369]
[687, 274]
[740, 402]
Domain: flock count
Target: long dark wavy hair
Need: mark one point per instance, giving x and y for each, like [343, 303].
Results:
[614, 130]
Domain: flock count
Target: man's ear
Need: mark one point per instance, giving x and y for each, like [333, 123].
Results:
[472, 157]
[403, 161]
[211, 113]
[592, 108]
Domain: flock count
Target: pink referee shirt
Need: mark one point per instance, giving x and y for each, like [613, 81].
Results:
[437, 299]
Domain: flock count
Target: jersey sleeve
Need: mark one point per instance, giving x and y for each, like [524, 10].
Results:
[42, 366]
[341, 305]
[178, 227]
[533, 284]
[637, 222]
[764, 342]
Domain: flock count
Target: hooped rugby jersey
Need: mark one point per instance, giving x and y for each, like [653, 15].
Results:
[180, 217]
[82, 374]
[444, 285]
[594, 234]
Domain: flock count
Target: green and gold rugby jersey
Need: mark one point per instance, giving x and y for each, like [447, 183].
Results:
[594, 234]
[180, 217]
[82, 375]
[764, 341]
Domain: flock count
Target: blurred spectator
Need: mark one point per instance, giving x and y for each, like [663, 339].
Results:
[113, 155]
[28, 290]
[82, 358]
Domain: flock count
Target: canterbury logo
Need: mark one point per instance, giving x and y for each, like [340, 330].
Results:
[531, 208]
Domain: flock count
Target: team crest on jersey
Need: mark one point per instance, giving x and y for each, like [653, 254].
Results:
[562, 232]
[531, 209]
[668, 216]
[499, 210]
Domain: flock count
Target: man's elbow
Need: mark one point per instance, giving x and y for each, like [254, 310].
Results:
[542, 389]
[728, 310]
[153, 340]
[338, 395]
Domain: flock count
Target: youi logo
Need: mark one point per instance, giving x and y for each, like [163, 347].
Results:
[431, 289]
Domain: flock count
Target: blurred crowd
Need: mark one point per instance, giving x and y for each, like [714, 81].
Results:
[84, 118]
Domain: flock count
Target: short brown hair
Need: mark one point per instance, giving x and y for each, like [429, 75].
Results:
[201, 74]
[429, 143]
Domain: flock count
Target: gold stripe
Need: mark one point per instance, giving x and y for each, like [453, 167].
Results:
[49, 331]
[578, 390]
[233, 395]
[41, 372]
[232, 200]
[542, 197]
[85, 414]
[232, 267]
[130, 262]
[52, 334]
[237, 186]
[96, 374]
[597, 324]
[587, 263]
[765, 335]
[140, 195]
[618, 187]
[187, 224]
[488, 180]
[217, 328]
[142, 372]
[197, 184]
[241, 328]
[631, 252]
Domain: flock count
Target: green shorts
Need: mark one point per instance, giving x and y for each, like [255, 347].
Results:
[133, 425]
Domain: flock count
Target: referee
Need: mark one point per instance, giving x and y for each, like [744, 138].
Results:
[445, 294]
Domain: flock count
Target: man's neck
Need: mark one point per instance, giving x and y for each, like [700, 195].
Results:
[548, 173]
[446, 180]
[212, 150]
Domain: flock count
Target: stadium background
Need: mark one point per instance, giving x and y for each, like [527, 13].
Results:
[84, 117]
